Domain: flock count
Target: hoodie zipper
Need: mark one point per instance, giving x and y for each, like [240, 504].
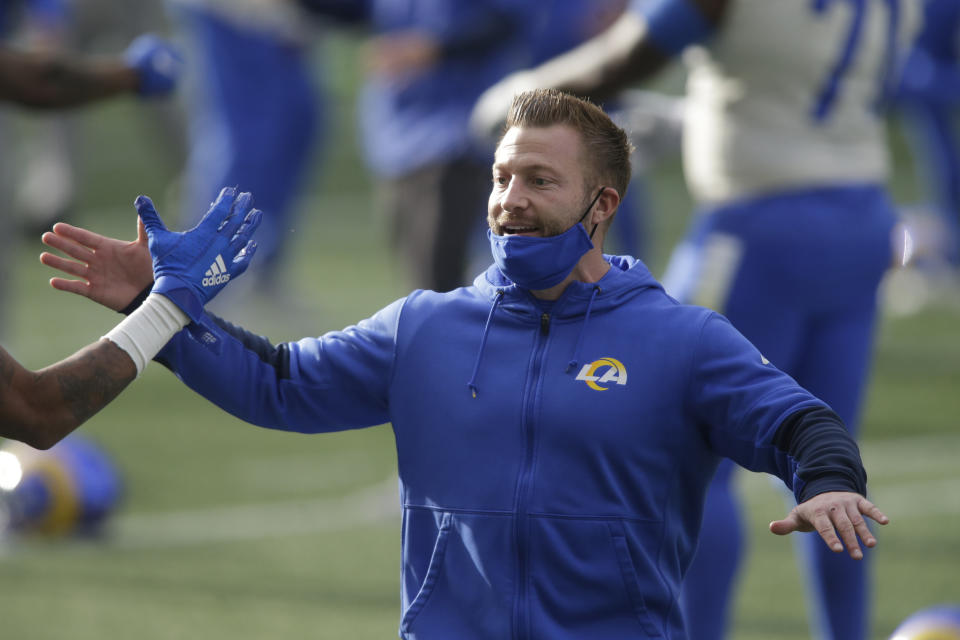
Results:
[521, 524]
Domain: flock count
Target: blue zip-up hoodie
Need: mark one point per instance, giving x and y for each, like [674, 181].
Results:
[552, 465]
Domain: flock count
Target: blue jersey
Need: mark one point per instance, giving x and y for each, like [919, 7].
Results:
[562, 500]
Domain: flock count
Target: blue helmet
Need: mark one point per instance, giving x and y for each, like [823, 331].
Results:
[936, 623]
[69, 489]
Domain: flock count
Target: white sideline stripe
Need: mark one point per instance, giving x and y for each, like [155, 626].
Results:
[917, 499]
[920, 498]
[368, 505]
[379, 503]
[899, 457]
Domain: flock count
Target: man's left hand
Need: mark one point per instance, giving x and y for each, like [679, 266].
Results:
[833, 513]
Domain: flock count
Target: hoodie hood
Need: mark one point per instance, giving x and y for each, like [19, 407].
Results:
[626, 278]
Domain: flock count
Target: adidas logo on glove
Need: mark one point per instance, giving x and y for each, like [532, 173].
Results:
[216, 274]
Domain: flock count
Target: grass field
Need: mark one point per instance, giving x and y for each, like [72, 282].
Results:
[233, 532]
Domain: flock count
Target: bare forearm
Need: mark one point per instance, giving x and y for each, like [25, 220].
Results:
[52, 81]
[634, 48]
[41, 407]
[605, 64]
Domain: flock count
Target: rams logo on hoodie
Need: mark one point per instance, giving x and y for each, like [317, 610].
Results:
[604, 371]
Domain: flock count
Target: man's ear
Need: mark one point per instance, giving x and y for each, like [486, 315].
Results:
[606, 205]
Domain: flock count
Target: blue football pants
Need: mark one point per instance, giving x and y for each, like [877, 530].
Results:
[798, 275]
[253, 124]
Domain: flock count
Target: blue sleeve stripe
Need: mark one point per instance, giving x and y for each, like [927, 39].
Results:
[673, 24]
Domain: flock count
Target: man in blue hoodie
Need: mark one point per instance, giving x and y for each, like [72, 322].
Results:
[553, 480]
[784, 153]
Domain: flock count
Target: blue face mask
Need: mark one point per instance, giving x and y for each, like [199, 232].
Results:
[541, 263]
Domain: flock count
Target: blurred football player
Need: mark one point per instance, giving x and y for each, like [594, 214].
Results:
[929, 94]
[784, 152]
[428, 63]
[250, 86]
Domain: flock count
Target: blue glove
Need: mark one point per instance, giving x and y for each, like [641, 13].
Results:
[190, 267]
[156, 61]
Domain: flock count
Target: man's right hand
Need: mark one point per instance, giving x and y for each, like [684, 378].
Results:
[191, 267]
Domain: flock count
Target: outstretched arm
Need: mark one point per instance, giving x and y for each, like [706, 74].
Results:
[41, 407]
[46, 80]
[764, 421]
[631, 50]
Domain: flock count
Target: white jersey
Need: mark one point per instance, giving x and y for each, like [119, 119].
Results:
[785, 95]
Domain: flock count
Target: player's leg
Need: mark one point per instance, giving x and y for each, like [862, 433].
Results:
[464, 190]
[836, 362]
[834, 366]
[257, 94]
[709, 584]
[934, 135]
[432, 211]
[725, 266]
[410, 203]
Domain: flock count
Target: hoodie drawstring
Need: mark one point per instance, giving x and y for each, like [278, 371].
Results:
[472, 385]
[583, 330]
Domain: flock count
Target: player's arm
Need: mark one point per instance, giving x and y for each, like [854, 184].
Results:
[633, 48]
[41, 407]
[330, 383]
[640, 43]
[150, 67]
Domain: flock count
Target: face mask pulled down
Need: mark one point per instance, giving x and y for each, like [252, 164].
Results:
[541, 263]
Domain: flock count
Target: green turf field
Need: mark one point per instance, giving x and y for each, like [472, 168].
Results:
[233, 532]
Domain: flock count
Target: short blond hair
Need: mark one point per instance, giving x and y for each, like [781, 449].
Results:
[606, 145]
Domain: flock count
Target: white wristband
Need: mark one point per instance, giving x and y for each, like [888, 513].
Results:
[145, 331]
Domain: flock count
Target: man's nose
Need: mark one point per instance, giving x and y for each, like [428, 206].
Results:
[513, 197]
